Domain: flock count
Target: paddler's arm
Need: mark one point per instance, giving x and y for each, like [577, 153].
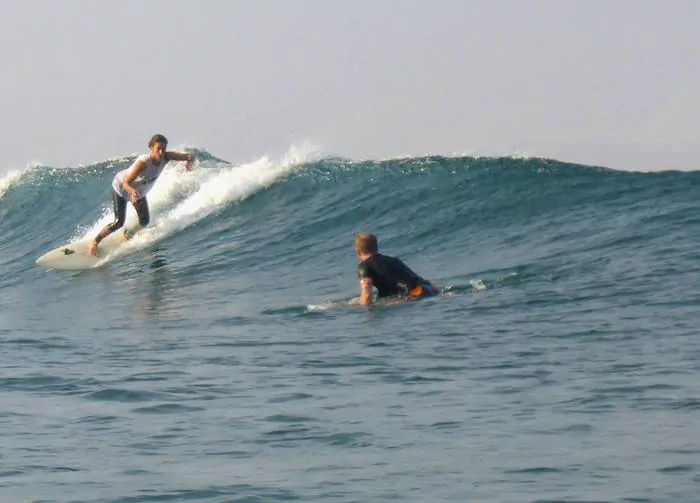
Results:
[135, 171]
[180, 156]
[366, 291]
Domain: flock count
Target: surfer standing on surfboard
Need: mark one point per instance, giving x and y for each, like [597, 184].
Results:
[134, 183]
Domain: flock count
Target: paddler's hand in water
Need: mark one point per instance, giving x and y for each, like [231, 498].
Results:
[190, 160]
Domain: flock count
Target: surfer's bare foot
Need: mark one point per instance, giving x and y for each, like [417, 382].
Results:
[92, 248]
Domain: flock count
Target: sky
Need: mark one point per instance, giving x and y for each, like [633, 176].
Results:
[604, 82]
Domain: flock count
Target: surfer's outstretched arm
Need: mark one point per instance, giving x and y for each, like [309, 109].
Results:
[181, 156]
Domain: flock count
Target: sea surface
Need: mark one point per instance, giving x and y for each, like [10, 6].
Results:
[225, 358]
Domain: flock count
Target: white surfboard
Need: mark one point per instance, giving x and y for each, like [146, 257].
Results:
[74, 256]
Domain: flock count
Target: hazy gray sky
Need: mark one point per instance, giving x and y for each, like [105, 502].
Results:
[611, 82]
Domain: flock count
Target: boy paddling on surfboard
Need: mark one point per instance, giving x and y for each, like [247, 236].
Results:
[134, 183]
[389, 275]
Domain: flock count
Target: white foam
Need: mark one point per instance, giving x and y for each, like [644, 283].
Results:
[11, 178]
[478, 285]
[319, 308]
[8, 180]
[328, 305]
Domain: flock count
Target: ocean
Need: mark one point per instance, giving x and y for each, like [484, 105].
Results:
[226, 358]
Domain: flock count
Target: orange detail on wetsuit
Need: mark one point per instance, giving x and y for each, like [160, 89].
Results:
[416, 292]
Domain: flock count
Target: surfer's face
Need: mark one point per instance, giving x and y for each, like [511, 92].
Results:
[158, 151]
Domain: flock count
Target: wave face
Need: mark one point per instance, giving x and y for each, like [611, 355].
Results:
[229, 345]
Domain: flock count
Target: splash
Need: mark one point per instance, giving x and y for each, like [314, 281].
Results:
[12, 178]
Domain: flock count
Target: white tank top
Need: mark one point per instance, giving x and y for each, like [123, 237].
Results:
[144, 182]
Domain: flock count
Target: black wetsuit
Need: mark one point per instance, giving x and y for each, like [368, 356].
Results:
[389, 275]
[119, 203]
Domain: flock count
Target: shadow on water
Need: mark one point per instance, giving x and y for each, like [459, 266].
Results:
[159, 282]
[148, 269]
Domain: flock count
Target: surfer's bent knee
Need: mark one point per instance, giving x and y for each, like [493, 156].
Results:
[117, 224]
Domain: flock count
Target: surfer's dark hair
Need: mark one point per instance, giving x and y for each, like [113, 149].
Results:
[157, 138]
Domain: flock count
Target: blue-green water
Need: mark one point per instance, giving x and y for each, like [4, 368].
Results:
[224, 361]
